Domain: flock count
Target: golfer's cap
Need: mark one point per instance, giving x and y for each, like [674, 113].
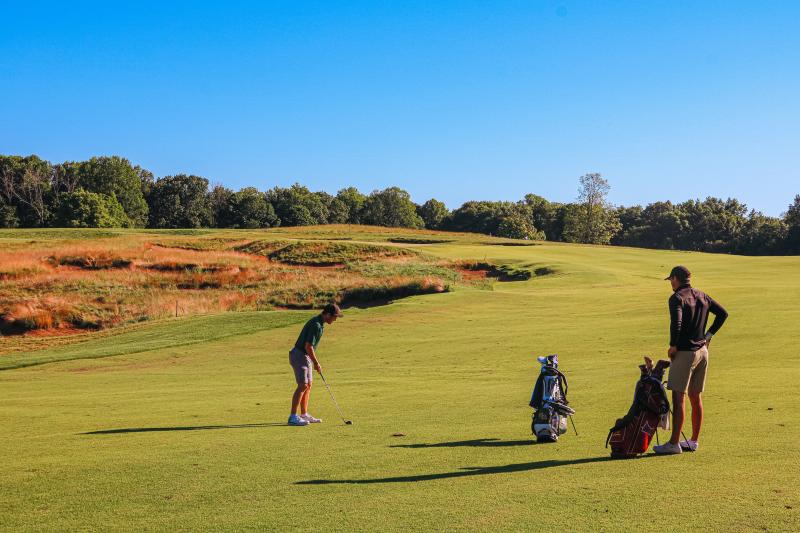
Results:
[332, 309]
[680, 272]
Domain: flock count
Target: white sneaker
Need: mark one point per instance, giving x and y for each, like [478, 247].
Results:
[310, 419]
[295, 420]
[667, 449]
[689, 445]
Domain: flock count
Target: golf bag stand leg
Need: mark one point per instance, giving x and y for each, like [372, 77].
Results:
[573, 425]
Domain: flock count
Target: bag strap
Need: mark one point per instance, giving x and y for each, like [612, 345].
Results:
[536, 399]
[564, 386]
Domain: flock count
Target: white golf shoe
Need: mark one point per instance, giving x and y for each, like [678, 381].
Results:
[667, 449]
[295, 420]
[689, 445]
[310, 419]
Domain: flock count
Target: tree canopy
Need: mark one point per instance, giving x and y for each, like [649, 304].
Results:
[112, 192]
[84, 209]
[180, 201]
[433, 213]
[391, 207]
[112, 176]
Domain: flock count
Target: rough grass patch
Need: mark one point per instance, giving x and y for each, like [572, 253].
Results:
[392, 291]
[47, 313]
[177, 266]
[262, 247]
[408, 269]
[100, 261]
[128, 280]
[27, 317]
[199, 280]
[417, 240]
[335, 253]
[200, 245]
[523, 243]
[20, 273]
[501, 272]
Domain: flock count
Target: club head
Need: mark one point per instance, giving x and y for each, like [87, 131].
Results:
[348, 422]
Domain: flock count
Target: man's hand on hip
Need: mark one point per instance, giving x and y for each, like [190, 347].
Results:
[672, 351]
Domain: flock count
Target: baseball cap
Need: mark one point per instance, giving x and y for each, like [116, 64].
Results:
[332, 309]
[680, 272]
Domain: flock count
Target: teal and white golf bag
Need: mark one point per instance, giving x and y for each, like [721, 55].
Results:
[549, 401]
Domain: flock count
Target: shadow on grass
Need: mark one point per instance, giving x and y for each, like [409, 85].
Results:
[468, 471]
[472, 443]
[178, 428]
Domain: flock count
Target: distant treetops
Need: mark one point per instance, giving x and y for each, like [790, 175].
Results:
[106, 192]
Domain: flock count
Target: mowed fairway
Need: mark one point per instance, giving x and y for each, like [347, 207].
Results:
[193, 436]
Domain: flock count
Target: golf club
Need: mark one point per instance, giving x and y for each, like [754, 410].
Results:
[346, 421]
[682, 433]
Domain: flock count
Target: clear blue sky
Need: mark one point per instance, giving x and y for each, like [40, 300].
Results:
[455, 100]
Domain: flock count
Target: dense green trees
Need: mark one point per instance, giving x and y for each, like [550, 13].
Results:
[710, 225]
[762, 235]
[111, 192]
[111, 176]
[248, 208]
[433, 213]
[297, 206]
[592, 220]
[26, 189]
[354, 200]
[180, 201]
[792, 220]
[338, 212]
[546, 216]
[84, 209]
[391, 207]
[518, 226]
[481, 216]
[8, 215]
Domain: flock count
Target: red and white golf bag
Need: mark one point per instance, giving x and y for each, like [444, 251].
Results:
[632, 434]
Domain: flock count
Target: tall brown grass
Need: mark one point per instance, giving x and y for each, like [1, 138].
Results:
[64, 285]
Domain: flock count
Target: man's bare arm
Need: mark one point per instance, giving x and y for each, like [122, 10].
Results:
[312, 355]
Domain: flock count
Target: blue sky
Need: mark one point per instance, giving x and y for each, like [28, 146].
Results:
[455, 100]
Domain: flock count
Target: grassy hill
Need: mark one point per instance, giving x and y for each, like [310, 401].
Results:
[179, 424]
[66, 282]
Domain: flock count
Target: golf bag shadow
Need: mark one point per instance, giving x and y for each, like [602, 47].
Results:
[549, 401]
[632, 434]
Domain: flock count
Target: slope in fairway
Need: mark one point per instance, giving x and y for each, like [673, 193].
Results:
[193, 436]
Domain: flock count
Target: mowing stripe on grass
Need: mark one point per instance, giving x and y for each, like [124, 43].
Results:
[165, 334]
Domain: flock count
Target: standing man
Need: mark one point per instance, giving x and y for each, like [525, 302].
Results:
[688, 350]
[302, 358]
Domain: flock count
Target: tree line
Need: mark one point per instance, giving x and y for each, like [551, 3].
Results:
[105, 192]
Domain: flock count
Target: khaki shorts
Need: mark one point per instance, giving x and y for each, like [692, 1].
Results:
[688, 371]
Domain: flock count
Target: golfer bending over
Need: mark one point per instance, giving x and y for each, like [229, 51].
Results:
[688, 350]
[302, 357]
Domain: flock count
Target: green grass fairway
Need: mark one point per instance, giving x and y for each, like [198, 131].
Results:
[180, 425]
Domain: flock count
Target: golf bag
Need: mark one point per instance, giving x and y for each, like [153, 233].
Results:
[549, 401]
[632, 434]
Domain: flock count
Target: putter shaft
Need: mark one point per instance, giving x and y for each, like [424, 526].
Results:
[338, 409]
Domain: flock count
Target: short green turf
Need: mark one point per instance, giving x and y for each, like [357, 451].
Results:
[183, 429]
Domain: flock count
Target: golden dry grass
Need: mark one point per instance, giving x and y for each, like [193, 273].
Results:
[69, 285]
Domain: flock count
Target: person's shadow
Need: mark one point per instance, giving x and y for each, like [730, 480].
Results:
[469, 471]
[178, 428]
[477, 443]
